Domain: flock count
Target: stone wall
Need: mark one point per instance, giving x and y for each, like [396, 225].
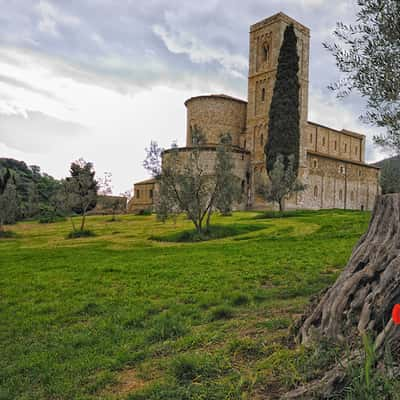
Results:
[341, 144]
[333, 183]
[216, 115]
[144, 194]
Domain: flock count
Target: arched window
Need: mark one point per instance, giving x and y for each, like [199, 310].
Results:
[315, 191]
[340, 194]
[265, 49]
[263, 94]
[315, 163]
[341, 169]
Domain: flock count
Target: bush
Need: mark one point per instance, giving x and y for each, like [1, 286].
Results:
[80, 234]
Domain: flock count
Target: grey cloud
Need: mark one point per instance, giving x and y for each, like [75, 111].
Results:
[23, 85]
[37, 132]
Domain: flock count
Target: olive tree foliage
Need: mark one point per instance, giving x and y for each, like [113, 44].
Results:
[188, 185]
[282, 182]
[368, 55]
[390, 176]
[79, 191]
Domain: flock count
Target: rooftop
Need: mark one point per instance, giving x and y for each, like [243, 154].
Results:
[219, 96]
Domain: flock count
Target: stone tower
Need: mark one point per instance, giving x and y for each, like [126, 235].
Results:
[266, 39]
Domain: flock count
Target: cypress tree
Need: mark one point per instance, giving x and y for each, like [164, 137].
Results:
[284, 116]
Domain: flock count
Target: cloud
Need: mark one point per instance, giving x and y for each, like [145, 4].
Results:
[180, 42]
[37, 132]
[51, 17]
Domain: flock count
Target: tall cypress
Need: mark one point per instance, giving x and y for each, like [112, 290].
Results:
[284, 115]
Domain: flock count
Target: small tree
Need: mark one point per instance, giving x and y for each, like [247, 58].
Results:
[282, 182]
[80, 190]
[191, 186]
[109, 201]
[368, 54]
[228, 185]
[8, 199]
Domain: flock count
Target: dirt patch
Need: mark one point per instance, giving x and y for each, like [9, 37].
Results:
[127, 382]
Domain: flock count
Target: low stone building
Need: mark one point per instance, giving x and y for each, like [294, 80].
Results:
[331, 162]
[143, 196]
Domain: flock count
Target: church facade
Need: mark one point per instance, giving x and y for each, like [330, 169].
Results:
[331, 162]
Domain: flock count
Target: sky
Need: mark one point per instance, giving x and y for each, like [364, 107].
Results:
[100, 79]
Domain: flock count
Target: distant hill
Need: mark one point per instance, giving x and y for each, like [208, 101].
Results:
[390, 174]
[34, 188]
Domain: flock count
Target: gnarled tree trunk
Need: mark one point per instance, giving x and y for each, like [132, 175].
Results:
[362, 298]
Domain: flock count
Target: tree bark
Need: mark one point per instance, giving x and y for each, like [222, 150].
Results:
[362, 298]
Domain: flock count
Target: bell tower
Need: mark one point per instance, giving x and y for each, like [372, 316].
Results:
[266, 39]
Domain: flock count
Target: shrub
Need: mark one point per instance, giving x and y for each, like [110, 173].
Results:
[146, 211]
[80, 234]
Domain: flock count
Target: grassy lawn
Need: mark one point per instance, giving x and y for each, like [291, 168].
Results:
[120, 316]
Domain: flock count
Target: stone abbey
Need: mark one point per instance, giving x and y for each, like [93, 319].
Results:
[331, 162]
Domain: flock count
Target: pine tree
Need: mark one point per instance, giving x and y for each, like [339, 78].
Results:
[284, 116]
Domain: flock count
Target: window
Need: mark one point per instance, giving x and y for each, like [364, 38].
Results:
[352, 196]
[356, 150]
[340, 194]
[359, 172]
[263, 94]
[243, 186]
[323, 141]
[335, 145]
[315, 163]
[265, 49]
[341, 169]
[315, 192]
[262, 139]
[137, 193]
[345, 147]
[310, 137]
[151, 193]
[244, 144]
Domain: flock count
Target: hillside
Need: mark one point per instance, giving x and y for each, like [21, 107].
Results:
[120, 316]
[34, 188]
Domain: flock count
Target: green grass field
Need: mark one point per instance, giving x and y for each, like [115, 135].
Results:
[120, 316]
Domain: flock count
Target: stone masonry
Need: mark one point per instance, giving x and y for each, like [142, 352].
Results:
[331, 162]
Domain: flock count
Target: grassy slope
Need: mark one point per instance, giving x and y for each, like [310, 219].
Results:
[116, 314]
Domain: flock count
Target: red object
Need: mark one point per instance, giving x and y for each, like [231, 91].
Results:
[396, 314]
